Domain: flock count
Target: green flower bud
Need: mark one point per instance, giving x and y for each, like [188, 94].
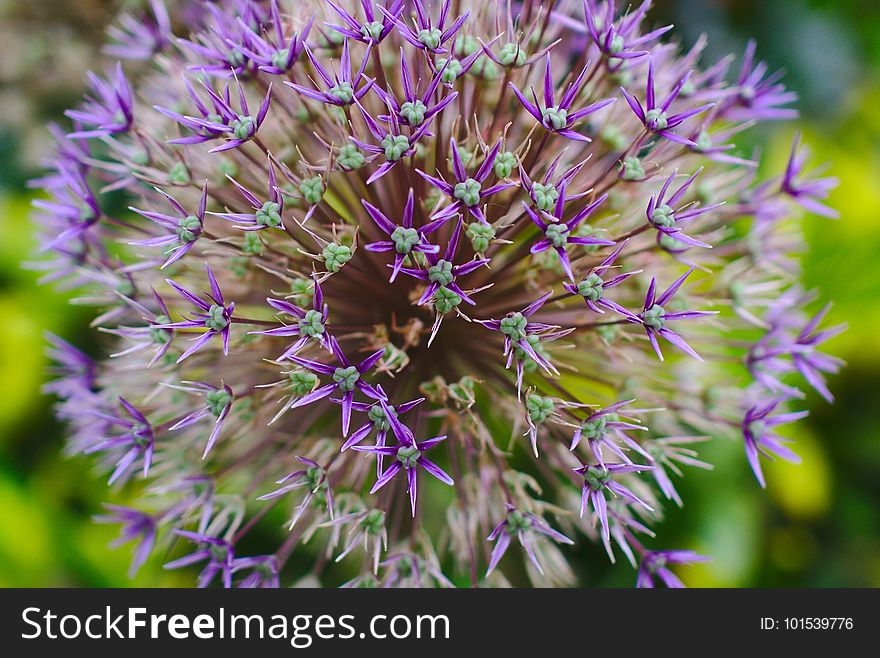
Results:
[441, 273]
[663, 216]
[160, 336]
[395, 146]
[591, 287]
[372, 30]
[188, 228]
[450, 72]
[596, 477]
[554, 118]
[557, 234]
[252, 244]
[342, 91]
[218, 400]
[377, 416]
[468, 192]
[592, 429]
[505, 163]
[335, 256]
[312, 190]
[312, 325]
[404, 239]
[408, 456]
[413, 112]
[632, 168]
[539, 408]
[512, 55]
[480, 235]
[654, 317]
[243, 127]
[514, 326]
[516, 522]
[269, 215]
[346, 378]
[179, 174]
[445, 300]
[301, 291]
[216, 320]
[656, 119]
[350, 157]
[302, 382]
[545, 196]
[430, 38]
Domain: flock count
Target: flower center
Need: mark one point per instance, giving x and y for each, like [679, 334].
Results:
[269, 215]
[216, 320]
[591, 287]
[656, 119]
[554, 118]
[395, 146]
[441, 273]
[413, 112]
[188, 228]
[408, 456]
[654, 317]
[312, 325]
[514, 326]
[557, 234]
[342, 91]
[468, 192]
[243, 127]
[346, 378]
[430, 38]
[545, 196]
[404, 239]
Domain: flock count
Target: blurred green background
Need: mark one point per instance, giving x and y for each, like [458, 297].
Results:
[818, 524]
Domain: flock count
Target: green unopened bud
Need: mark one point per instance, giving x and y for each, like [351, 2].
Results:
[450, 72]
[253, 246]
[545, 196]
[445, 300]
[269, 215]
[441, 273]
[614, 137]
[516, 522]
[312, 190]
[335, 256]
[280, 59]
[179, 174]
[342, 91]
[654, 317]
[302, 382]
[505, 163]
[227, 167]
[632, 168]
[539, 408]
[346, 378]
[514, 326]
[404, 239]
[408, 456]
[160, 336]
[592, 429]
[243, 127]
[557, 234]
[378, 417]
[395, 146]
[596, 477]
[468, 192]
[216, 320]
[413, 112]
[554, 118]
[188, 228]
[372, 30]
[512, 55]
[480, 235]
[218, 400]
[374, 521]
[350, 157]
[312, 325]
[656, 119]
[430, 38]
[663, 216]
[301, 291]
[591, 287]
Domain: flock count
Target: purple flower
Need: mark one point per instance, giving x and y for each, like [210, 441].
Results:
[313, 478]
[276, 56]
[136, 526]
[347, 379]
[603, 428]
[408, 457]
[654, 564]
[466, 193]
[150, 335]
[75, 371]
[663, 215]
[656, 118]
[555, 117]
[265, 214]
[109, 112]
[73, 205]
[393, 144]
[808, 193]
[135, 441]
[220, 49]
[214, 315]
[416, 109]
[343, 88]
[522, 525]
[669, 453]
[654, 317]
[223, 121]
[621, 40]
[140, 36]
[522, 338]
[810, 363]
[218, 552]
[598, 481]
[182, 230]
[557, 233]
[372, 31]
[308, 324]
[263, 575]
[427, 35]
[218, 403]
[593, 287]
[757, 96]
[404, 238]
[760, 438]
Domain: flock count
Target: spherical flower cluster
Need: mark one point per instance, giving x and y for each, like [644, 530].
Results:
[403, 281]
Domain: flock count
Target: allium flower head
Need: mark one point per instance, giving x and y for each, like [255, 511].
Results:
[431, 270]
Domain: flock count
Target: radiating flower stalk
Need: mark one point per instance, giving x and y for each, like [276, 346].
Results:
[405, 281]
